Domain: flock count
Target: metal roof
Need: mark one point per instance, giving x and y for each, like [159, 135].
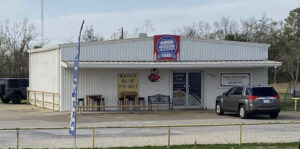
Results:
[167, 65]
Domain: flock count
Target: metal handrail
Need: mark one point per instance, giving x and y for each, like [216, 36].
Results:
[43, 98]
[151, 126]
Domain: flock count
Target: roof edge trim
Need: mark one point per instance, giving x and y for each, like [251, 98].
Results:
[43, 49]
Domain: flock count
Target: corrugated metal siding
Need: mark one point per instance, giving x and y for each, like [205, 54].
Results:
[121, 50]
[103, 81]
[195, 50]
[212, 87]
[190, 50]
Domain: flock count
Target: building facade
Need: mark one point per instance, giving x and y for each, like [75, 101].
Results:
[192, 72]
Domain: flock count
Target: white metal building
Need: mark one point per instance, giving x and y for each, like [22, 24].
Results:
[202, 70]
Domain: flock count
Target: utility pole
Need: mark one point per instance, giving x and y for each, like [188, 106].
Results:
[122, 34]
[42, 22]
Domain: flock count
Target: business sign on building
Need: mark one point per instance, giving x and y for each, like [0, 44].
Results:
[166, 47]
[128, 82]
[234, 79]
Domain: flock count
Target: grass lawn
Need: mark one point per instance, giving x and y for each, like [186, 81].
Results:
[22, 101]
[293, 145]
[286, 103]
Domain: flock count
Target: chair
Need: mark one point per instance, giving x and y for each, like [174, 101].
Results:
[120, 102]
[81, 103]
[141, 101]
[96, 101]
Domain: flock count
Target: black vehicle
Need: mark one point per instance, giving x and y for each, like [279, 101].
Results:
[247, 100]
[13, 89]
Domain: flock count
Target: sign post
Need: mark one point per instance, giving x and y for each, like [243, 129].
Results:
[72, 130]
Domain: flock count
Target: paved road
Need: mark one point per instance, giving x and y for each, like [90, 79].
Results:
[12, 116]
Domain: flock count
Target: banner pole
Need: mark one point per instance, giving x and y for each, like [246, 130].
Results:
[73, 121]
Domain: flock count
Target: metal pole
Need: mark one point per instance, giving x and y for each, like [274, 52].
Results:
[42, 21]
[240, 138]
[34, 98]
[296, 105]
[27, 96]
[17, 138]
[43, 94]
[169, 130]
[93, 138]
[53, 101]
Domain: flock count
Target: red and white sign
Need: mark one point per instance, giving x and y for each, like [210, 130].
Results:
[154, 77]
[166, 47]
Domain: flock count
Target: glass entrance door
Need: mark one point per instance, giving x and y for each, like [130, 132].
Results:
[179, 89]
[187, 89]
[194, 89]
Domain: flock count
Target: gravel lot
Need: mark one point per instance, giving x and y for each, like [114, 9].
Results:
[13, 116]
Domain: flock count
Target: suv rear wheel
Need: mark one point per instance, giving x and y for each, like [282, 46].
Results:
[219, 110]
[242, 112]
[16, 98]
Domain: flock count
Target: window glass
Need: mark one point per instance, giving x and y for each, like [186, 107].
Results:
[13, 83]
[231, 91]
[24, 83]
[238, 91]
[264, 91]
[248, 91]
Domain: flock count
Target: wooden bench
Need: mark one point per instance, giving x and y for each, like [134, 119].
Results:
[160, 99]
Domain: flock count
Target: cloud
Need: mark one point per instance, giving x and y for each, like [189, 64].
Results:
[65, 28]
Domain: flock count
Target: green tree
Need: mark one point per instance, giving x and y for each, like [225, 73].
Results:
[291, 34]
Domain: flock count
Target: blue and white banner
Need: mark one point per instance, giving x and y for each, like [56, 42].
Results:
[72, 130]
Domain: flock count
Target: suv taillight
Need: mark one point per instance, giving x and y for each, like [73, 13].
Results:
[276, 96]
[251, 97]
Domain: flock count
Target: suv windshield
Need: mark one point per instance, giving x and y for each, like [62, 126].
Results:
[263, 91]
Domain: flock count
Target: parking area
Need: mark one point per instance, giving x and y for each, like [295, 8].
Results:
[23, 115]
[16, 116]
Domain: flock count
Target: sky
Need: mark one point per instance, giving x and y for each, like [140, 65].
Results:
[62, 18]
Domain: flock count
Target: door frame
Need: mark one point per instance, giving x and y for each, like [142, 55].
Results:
[186, 96]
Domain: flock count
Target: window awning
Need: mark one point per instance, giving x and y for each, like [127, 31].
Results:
[167, 65]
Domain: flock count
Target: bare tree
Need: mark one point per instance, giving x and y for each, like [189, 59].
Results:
[147, 27]
[201, 30]
[15, 40]
[225, 26]
[89, 35]
[117, 35]
[204, 30]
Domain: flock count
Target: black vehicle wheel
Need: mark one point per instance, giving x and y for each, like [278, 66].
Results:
[16, 98]
[274, 115]
[5, 100]
[219, 110]
[242, 112]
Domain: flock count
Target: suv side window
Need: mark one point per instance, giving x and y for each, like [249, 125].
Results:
[238, 91]
[231, 91]
[13, 83]
[248, 91]
[24, 83]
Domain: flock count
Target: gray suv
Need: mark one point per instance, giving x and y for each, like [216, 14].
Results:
[247, 100]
